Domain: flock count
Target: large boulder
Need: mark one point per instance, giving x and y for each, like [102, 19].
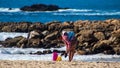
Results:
[86, 36]
[22, 43]
[99, 35]
[35, 34]
[15, 27]
[22, 27]
[115, 22]
[45, 33]
[9, 28]
[53, 26]
[12, 42]
[117, 50]
[116, 33]
[51, 36]
[81, 52]
[34, 43]
[38, 26]
[34, 39]
[102, 46]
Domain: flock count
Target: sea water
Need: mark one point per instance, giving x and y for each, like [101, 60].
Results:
[78, 10]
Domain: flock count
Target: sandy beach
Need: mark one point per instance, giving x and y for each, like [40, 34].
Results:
[60, 64]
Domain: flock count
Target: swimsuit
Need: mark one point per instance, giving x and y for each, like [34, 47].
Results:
[68, 37]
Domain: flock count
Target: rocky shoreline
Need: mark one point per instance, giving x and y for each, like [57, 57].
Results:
[93, 36]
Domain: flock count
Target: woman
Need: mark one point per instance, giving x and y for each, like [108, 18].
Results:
[70, 41]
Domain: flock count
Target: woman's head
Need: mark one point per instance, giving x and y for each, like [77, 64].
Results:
[64, 33]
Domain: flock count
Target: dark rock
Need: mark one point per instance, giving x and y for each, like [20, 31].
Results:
[117, 50]
[45, 33]
[12, 42]
[86, 36]
[34, 43]
[15, 27]
[67, 25]
[99, 36]
[59, 51]
[35, 34]
[116, 33]
[38, 26]
[8, 39]
[109, 52]
[81, 52]
[22, 43]
[9, 28]
[51, 36]
[101, 46]
[54, 25]
[40, 7]
[22, 27]
[49, 45]
[47, 51]
[10, 9]
[38, 53]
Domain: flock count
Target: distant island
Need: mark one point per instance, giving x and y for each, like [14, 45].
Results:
[41, 7]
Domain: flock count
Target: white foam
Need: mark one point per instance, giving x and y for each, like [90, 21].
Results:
[23, 54]
[48, 57]
[16, 54]
[98, 57]
[75, 10]
[106, 13]
[4, 35]
[89, 14]
[25, 57]
[9, 9]
[26, 50]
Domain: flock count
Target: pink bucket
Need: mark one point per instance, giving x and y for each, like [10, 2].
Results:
[55, 55]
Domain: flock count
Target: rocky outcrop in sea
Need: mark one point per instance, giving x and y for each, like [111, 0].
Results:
[40, 7]
[93, 36]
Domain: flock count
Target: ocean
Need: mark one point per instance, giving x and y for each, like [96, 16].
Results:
[78, 10]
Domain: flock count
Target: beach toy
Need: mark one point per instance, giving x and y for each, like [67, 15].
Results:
[59, 58]
[55, 55]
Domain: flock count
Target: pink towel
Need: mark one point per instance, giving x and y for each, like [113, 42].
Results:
[55, 55]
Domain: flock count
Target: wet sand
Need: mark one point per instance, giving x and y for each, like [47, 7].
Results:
[57, 64]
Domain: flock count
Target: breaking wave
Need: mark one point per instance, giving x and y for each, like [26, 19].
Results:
[9, 9]
[89, 13]
[4, 35]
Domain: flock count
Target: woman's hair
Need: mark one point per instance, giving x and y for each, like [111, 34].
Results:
[64, 33]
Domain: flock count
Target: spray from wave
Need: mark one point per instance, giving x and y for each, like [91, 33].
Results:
[75, 10]
[9, 10]
[89, 14]
[4, 35]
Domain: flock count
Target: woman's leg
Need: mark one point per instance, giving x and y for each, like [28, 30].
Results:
[71, 54]
[67, 50]
[72, 50]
